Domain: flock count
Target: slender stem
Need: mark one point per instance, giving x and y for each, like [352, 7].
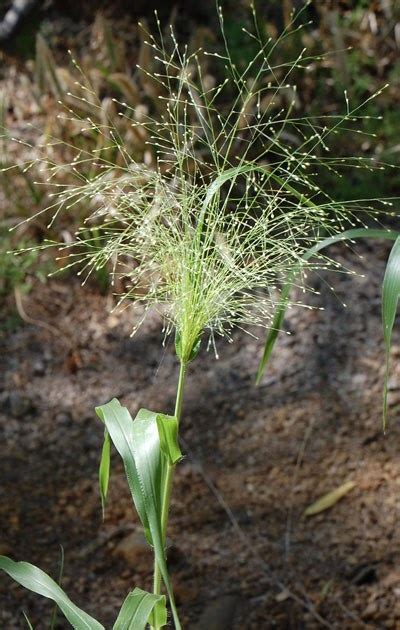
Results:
[169, 476]
[179, 393]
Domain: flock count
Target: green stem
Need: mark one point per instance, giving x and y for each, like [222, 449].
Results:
[169, 476]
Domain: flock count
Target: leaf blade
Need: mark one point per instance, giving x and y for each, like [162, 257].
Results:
[390, 301]
[140, 608]
[104, 470]
[138, 443]
[36, 580]
[168, 433]
[118, 421]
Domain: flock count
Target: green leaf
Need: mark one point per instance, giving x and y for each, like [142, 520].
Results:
[168, 434]
[141, 608]
[390, 301]
[104, 470]
[158, 616]
[118, 423]
[287, 286]
[138, 443]
[53, 620]
[36, 580]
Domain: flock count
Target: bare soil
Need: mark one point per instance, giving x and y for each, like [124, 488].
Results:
[242, 554]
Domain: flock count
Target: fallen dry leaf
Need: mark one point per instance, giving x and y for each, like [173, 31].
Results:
[283, 595]
[328, 500]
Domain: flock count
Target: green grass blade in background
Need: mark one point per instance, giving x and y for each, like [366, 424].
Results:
[284, 298]
[28, 623]
[34, 579]
[141, 608]
[276, 322]
[390, 301]
[138, 443]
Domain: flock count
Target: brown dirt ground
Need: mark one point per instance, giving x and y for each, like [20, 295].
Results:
[255, 459]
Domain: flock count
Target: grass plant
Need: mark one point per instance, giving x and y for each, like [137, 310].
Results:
[212, 231]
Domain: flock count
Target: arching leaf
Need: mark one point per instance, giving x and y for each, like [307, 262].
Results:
[138, 443]
[390, 301]
[141, 608]
[36, 580]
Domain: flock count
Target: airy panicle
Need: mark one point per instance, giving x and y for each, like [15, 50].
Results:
[227, 201]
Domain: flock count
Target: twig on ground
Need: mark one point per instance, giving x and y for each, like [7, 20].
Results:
[299, 461]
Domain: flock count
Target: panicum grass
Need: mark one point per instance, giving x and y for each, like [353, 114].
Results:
[228, 201]
[225, 202]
